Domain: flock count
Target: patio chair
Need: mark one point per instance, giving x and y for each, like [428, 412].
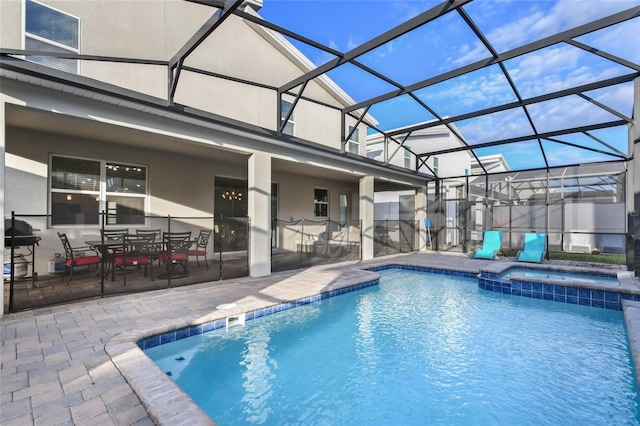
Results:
[535, 247]
[77, 256]
[157, 235]
[176, 252]
[490, 245]
[201, 247]
[113, 234]
[137, 250]
[111, 252]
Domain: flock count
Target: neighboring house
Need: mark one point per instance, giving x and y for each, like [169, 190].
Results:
[495, 163]
[425, 140]
[82, 136]
[396, 205]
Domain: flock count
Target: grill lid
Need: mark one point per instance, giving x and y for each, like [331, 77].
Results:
[21, 229]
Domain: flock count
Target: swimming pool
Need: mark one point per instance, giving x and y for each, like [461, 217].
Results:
[418, 348]
[546, 274]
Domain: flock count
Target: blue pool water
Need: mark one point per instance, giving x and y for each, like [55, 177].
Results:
[418, 349]
[516, 273]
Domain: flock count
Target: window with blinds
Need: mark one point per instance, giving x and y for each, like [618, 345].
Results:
[51, 30]
[82, 188]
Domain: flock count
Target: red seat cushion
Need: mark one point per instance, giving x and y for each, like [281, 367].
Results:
[197, 253]
[132, 260]
[176, 257]
[85, 260]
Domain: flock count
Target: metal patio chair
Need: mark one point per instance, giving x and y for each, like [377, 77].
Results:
[201, 247]
[75, 257]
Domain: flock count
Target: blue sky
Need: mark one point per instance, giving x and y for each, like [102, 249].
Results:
[448, 43]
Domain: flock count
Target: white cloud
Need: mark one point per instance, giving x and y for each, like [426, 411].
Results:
[352, 43]
[538, 20]
[568, 112]
[467, 54]
[618, 97]
[470, 92]
[557, 68]
[502, 125]
[609, 40]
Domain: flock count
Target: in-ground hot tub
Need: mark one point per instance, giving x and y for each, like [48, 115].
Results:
[596, 287]
[596, 278]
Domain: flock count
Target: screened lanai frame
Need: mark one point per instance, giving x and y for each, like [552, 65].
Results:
[523, 105]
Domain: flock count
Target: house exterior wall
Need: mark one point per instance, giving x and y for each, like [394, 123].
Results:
[296, 202]
[187, 191]
[178, 185]
[296, 196]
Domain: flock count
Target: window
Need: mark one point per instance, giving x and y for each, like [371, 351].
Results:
[274, 215]
[407, 159]
[436, 165]
[285, 107]
[353, 144]
[344, 209]
[231, 197]
[82, 188]
[321, 202]
[51, 30]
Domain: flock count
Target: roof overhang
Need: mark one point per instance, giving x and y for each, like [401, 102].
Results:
[44, 83]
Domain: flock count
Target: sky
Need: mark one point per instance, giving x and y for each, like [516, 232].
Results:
[448, 43]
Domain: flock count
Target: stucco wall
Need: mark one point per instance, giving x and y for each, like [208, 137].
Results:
[154, 29]
[296, 196]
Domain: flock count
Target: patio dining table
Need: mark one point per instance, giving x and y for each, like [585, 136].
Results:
[108, 249]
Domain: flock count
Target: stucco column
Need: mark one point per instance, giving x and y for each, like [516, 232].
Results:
[2, 153]
[421, 214]
[259, 211]
[366, 216]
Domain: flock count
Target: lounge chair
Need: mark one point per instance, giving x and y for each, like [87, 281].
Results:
[535, 247]
[490, 245]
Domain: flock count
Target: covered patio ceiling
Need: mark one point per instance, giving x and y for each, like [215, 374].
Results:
[546, 84]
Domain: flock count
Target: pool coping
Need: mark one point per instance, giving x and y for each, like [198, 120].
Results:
[168, 404]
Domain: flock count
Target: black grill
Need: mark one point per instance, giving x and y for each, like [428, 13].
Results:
[21, 234]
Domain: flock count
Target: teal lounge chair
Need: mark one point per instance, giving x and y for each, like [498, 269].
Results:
[535, 247]
[490, 245]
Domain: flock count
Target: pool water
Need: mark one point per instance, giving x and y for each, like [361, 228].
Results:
[558, 275]
[418, 349]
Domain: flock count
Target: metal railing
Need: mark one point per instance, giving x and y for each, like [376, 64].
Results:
[307, 242]
[395, 236]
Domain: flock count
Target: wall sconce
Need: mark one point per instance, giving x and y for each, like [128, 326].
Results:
[68, 197]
